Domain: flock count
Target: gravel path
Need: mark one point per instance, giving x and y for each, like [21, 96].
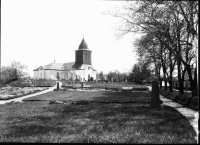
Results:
[191, 115]
[31, 95]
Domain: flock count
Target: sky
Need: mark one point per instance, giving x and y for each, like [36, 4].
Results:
[37, 32]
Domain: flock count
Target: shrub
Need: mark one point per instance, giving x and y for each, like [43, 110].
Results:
[172, 95]
[165, 92]
[182, 98]
[194, 103]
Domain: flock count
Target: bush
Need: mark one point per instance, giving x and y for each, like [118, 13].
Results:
[194, 103]
[165, 92]
[181, 98]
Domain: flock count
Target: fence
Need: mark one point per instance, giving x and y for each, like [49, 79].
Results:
[44, 83]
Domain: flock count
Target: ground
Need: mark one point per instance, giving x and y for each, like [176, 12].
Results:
[107, 117]
[9, 92]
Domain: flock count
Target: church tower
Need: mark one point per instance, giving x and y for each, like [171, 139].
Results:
[83, 54]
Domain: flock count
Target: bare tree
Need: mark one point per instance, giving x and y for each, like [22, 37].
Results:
[13, 72]
[173, 24]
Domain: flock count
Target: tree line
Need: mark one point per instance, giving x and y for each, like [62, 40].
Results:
[15, 71]
[168, 43]
[138, 74]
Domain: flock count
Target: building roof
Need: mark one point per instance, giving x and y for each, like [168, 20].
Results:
[48, 66]
[83, 45]
[36, 69]
[57, 66]
[54, 65]
[65, 66]
[68, 66]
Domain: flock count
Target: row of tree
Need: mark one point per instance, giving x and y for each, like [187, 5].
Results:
[140, 72]
[13, 72]
[112, 76]
[169, 37]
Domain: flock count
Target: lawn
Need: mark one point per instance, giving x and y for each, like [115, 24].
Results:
[115, 86]
[109, 117]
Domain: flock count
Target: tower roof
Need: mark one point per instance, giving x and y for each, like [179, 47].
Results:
[83, 45]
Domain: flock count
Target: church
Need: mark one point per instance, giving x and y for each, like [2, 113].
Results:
[81, 69]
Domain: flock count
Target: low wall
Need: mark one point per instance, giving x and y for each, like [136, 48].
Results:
[44, 83]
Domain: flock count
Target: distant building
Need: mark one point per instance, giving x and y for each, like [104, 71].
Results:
[81, 69]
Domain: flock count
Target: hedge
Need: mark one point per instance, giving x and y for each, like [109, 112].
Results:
[181, 98]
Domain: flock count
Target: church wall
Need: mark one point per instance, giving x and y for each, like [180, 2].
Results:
[85, 73]
[53, 74]
[39, 74]
[36, 75]
[66, 75]
[47, 74]
[90, 72]
[80, 74]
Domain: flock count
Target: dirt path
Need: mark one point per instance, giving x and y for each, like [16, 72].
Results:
[31, 95]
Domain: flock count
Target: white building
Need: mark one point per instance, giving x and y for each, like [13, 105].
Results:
[81, 69]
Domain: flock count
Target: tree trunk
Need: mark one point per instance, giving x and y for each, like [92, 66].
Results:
[170, 81]
[181, 86]
[180, 81]
[160, 81]
[171, 73]
[170, 86]
[192, 82]
[165, 84]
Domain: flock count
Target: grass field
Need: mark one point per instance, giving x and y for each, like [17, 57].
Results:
[110, 117]
[116, 86]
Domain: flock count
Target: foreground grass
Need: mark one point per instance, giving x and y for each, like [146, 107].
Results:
[125, 118]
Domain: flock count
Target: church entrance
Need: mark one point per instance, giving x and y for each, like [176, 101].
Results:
[88, 78]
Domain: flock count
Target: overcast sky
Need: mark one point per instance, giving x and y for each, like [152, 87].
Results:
[37, 32]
